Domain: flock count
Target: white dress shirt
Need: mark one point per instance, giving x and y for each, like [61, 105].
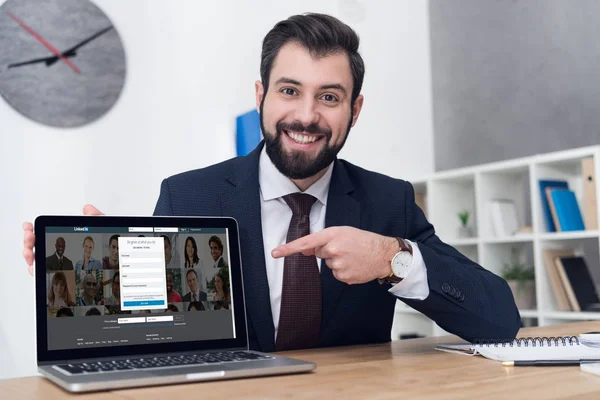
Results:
[276, 216]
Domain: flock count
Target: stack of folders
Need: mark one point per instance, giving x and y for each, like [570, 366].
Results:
[571, 282]
[561, 208]
[565, 350]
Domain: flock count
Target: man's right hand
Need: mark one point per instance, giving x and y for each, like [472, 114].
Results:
[29, 237]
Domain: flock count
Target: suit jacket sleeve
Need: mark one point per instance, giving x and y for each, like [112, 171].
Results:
[464, 298]
[163, 205]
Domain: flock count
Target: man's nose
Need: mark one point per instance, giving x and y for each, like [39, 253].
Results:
[307, 111]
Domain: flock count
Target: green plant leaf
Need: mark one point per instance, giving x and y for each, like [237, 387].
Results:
[464, 217]
[518, 272]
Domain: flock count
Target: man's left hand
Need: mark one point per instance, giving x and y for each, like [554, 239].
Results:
[355, 256]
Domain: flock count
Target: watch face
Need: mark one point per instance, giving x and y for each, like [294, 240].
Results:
[401, 264]
[62, 62]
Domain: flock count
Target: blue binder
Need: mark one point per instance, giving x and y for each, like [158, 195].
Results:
[567, 210]
[545, 206]
[247, 134]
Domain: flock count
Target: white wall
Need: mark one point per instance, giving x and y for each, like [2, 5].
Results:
[191, 68]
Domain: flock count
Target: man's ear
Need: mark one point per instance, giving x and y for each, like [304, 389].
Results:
[358, 103]
[260, 92]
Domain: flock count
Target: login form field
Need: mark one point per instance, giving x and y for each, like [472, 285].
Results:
[143, 278]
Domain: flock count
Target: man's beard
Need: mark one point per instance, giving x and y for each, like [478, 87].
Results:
[296, 164]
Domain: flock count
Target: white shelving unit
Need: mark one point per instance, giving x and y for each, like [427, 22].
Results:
[448, 192]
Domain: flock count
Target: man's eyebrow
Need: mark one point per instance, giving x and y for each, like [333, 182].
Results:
[335, 86]
[328, 86]
[288, 80]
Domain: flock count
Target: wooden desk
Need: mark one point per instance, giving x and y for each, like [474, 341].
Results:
[408, 369]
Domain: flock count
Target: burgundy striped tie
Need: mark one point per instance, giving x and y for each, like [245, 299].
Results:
[300, 314]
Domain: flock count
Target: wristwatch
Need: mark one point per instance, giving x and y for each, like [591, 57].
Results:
[400, 263]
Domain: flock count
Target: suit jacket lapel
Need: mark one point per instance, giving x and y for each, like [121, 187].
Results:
[342, 210]
[243, 203]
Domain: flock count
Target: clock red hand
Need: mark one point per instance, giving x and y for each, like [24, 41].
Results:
[44, 42]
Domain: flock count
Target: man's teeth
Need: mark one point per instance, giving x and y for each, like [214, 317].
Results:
[301, 138]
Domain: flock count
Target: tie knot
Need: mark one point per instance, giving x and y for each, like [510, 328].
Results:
[300, 203]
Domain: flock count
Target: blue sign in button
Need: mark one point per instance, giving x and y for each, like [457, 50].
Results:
[143, 303]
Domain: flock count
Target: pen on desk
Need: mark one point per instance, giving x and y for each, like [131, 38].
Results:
[545, 363]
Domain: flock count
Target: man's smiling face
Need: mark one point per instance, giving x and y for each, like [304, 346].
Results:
[307, 111]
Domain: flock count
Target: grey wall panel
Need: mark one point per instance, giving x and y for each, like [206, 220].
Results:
[513, 78]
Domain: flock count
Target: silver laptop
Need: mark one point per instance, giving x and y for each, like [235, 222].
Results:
[137, 301]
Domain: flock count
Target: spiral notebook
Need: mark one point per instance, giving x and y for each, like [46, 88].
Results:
[527, 349]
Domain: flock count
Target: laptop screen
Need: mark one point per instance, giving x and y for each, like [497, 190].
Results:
[120, 286]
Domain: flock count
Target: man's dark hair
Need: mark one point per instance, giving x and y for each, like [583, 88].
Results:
[217, 240]
[321, 35]
[197, 305]
[93, 311]
[64, 312]
[219, 305]
[113, 237]
[166, 239]
[191, 271]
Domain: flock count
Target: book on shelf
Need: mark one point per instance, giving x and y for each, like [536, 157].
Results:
[505, 220]
[590, 200]
[558, 289]
[578, 282]
[544, 184]
[565, 210]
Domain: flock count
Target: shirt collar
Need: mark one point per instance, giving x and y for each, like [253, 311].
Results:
[273, 184]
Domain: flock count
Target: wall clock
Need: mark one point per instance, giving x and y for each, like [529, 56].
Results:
[62, 62]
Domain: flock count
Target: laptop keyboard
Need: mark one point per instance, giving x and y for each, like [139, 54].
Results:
[161, 362]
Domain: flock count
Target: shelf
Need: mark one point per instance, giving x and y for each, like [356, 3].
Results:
[404, 309]
[459, 175]
[523, 238]
[569, 235]
[571, 315]
[463, 242]
[572, 156]
[473, 189]
[528, 313]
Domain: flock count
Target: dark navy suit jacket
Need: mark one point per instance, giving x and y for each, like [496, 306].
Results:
[464, 298]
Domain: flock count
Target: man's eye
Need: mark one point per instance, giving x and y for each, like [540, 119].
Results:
[289, 91]
[329, 98]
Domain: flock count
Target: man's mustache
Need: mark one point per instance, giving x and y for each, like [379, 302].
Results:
[300, 127]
